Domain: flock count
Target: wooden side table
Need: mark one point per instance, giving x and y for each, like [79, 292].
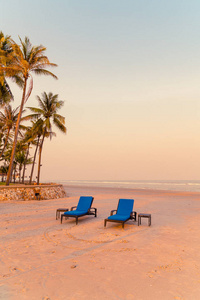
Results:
[144, 216]
[59, 210]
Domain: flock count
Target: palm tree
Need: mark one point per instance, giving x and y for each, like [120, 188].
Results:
[37, 128]
[5, 50]
[8, 120]
[6, 157]
[47, 112]
[20, 155]
[5, 93]
[28, 138]
[25, 60]
[3, 171]
[20, 158]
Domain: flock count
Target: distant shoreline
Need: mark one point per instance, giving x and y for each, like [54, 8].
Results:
[157, 185]
[127, 190]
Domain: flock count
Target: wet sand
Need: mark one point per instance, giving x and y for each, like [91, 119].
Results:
[43, 259]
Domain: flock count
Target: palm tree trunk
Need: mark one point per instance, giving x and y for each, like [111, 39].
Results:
[20, 168]
[40, 156]
[33, 165]
[27, 153]
[16, 133]
[14, 171]
[5, 143]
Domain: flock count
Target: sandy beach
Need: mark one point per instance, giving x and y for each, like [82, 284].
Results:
[44, 259]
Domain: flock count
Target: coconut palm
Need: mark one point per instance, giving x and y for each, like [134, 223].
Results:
[37, 128]
[47, 112]
[8, 120]
[26, 59]
[3, 171]
[31, 137]
[6, 159]
[5, 50]
[20, 155]
[28, 139]
[5, 93]
[20, 158]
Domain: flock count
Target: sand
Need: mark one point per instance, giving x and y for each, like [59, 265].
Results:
[43, 259]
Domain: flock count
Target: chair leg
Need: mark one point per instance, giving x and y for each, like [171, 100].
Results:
[150, 221]
[76, 220]
[123, 225]
[61, 219]
[105, 223]
[58, 214]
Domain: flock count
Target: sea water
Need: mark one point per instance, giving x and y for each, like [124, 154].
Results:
[170, 185]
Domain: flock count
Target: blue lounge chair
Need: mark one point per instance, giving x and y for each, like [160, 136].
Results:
[83, 208]
[123, 212]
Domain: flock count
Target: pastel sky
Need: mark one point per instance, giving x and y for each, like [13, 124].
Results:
[129, 72]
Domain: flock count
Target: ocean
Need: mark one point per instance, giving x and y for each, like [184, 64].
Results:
[171, 185]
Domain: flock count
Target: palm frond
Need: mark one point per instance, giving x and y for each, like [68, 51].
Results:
[18, 79]
[60, 118]
[41, 102]
[59, 125]
[39, 71]
[29, 90]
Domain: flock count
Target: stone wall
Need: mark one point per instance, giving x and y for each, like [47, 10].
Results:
[53, 191]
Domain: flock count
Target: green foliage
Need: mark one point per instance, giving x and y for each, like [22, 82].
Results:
[18, 62]
[44, 114]
[5, 50]
[47, 111]
[18, 65]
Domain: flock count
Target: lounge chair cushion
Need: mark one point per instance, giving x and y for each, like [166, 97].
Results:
[118, 217]
[124, 210]
[83, 206]
[75, 212]
[84, 203]
[125, 207]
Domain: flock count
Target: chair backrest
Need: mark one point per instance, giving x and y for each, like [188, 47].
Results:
[85, 202]
[125, 206]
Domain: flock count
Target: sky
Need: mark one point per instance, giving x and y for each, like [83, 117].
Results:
[129, 75]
